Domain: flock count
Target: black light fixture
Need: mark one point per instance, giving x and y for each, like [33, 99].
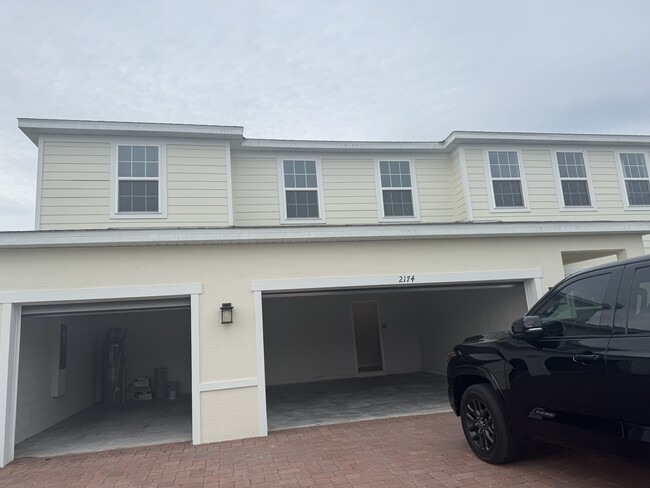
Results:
[226, 313]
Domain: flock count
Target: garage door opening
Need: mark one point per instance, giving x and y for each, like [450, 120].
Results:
[334, 356]
[103, 375]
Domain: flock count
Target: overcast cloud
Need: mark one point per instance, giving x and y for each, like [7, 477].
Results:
[354, 70]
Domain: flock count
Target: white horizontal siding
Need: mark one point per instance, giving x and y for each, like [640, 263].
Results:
[350, 190]
[76, 186]
[255, 190]
[434, 188]
[457, 188]
[201, 170]
[545, 199]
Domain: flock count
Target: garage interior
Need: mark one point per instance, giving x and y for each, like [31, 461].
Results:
[103, 376]
[334, 356]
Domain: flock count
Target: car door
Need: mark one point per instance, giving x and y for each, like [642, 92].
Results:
[628, 358]
[558, 382]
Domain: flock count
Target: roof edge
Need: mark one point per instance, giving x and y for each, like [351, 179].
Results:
[32, 128]
[242, 235]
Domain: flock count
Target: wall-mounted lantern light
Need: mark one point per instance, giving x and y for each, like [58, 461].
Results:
[226, 313]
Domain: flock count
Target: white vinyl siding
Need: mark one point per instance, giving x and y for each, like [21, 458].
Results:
[197, 187]
[434, 188]
[349, 190]
[543, 194]
[76, 186]
[458, 197]
[255, 190]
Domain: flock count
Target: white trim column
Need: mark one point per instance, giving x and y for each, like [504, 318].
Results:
[9, 345]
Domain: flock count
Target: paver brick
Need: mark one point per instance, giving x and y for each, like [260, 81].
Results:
[419, 451]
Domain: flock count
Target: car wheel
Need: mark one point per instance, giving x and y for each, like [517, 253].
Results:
[486, 428]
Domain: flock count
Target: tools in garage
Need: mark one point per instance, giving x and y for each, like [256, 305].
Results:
[113, 366]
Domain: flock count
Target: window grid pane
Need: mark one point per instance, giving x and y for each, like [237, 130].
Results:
[395, 174]
[398, 203]
[302, 204]
[638, 192]
[504, 164]
[138, 196]
[300, 174]
[571, 165]
[634, 165]
[507, 193]
[576, 193]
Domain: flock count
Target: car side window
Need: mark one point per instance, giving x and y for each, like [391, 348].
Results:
[638, 310]
[575, 309]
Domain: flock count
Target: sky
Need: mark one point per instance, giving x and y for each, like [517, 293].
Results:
[375, 70]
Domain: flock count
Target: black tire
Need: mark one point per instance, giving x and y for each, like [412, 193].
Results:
[486, 427]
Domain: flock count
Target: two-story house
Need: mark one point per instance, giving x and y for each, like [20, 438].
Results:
[339, 260]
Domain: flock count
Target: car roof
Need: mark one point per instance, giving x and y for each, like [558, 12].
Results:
[645, 258]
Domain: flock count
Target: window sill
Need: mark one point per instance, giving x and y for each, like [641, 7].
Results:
[389, 220]
[302, 222]
[638, 208]
[509, 210]
[578, 209]
[139, 215]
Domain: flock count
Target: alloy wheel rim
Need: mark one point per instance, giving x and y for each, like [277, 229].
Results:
[480, 425]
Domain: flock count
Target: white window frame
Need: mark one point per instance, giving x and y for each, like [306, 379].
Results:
[413, 188]
[282, 192]
[522, 180]
[162, 181]
[559, 179]
[622, 178]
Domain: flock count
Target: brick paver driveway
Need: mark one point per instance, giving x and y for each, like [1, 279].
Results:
[427, 450]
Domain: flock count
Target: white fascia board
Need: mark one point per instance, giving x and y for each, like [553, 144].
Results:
[34, 127]
[458, 137]
[195, 236]
[352, 146]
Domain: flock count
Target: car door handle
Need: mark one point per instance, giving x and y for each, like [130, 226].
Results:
[586, 358]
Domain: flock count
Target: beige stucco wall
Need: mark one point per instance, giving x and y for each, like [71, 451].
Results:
[226, 272]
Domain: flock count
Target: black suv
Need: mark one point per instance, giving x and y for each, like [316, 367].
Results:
[575, 369]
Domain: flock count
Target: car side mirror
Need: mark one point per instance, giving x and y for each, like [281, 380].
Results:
[527, 327]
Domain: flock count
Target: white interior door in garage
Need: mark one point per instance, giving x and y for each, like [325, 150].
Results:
[367, 337]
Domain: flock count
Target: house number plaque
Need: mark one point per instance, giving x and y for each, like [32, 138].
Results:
[406, 279]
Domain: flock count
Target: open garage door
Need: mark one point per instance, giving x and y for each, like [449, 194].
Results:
[342, 355]
[102, 375]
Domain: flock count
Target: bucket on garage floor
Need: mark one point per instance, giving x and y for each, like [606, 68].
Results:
[172, 389]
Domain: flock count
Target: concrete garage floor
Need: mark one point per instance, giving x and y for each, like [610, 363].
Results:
[102, 427]
[349, 400]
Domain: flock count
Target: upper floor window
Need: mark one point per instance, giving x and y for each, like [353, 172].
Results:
[138, 179]
[302, 194]
[573, 179]
[635, 176]
[506, 177]
[397, 190]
